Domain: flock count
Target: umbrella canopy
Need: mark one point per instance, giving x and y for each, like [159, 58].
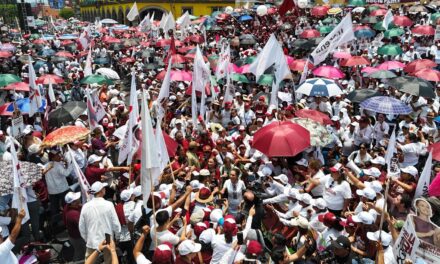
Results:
[424, 30]
[245, 18]
[357, 3]
[298, 65]
[5, 54]
[6, 79]
[239, 78]
[417, 9]
[108, 72]
[370, 20]
[65, 135]
[369, 70]
[382, 74]
[330, 72]
[364, 32]
[361, 95]
[355, 61]
[394, 32]
[96, 79]
[390, 49]
[266, 79]
[419, 64]
[391, 65]
[49, 78]
[326, 29]
[18, 87]
[176, 76]
[64, 54]
[24, 105]
[386, 105]
[314, 115]
[379, 26]
[46, 52]
[341, 55]
[428, 74]
[319, 87]
[378, 12]
[310, 33]
[413, 85]
[281, 139]
[69, 112]
[30, 172]
[402, 21]
[319, 11]
[109, 21]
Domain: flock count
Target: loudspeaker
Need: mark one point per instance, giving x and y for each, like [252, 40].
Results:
[22, 15]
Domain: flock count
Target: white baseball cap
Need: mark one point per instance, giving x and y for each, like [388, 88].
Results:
[375, 185]
[385, 237]
[188, 247]
[302, 162]
[375, 172]
[306, 198]
[368, 193]
[71, 197]
[364, 218]
[282, 178]
[97, 187]
[137, 191]
[292, 193]
[126, 194]
[265, 171]
[207, 235]
[410, 170]
[378, 160]
[216, 215]
[320, 203]
[94, 158]
[301, 222]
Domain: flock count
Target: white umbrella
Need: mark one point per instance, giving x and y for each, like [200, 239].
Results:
[109, 21]
[108, 72]
[358, 9]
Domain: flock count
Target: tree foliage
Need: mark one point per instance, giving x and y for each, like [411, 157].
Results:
[66, 13]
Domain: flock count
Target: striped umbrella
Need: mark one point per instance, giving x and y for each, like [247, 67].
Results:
[386, 105]
[319, 87]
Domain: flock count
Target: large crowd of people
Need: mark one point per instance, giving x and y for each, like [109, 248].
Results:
[221, 198]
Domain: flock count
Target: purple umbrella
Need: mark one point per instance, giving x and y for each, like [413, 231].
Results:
[386, 105]
[7, 47]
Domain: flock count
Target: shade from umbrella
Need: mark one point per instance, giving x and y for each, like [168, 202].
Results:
[361, 95]
[110, 73]
[390, 49]
[394, 32]
[310, 33]
[424, 30]
[382, 74]
[355, 61]
[329, 72]
[413, 85]
[386, 105]
[391, 65]
[23, 105]
[298, 65]
[281, 139]
[428, 74]
[96, 79]
[314, 115]
[402, 21]
[319, 87]
[67, 113]
[65, 135]
[49, 78]
[18, 87]
[6, 79]
[419, 64]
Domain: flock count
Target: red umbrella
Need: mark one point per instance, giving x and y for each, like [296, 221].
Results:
[310, 33]
[197, 39]
[379, 12]
[45, 79]
[170, 143]
[5, 54]
[391, 65]
[428, 74]
[18, 86]
[111, 40]
[402, 21]
[355, 61]
[176, 76]
[128, 60]
[65, 135]
[419, 64]
[319, 11]
[424, 30]
[298, 65]
[314, 115]
[66, 42]
[39, 41]
[184, 50]
[191, 56]
[64, 54]
[163, 42]
[3, 111]
[281, 139]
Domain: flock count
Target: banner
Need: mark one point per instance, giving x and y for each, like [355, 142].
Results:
[341, 34]
[30, 20]
[99, 108]
[419, 237]
[17, 126]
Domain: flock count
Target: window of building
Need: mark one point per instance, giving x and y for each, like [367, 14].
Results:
[217, 8]
[187, 9]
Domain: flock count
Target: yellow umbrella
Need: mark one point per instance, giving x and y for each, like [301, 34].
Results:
[334, 11]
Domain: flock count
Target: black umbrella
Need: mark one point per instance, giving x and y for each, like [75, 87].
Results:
[358, 96]
[413, 85]
[67, 113]
[370, 20]
[304, 44]
[247, 39]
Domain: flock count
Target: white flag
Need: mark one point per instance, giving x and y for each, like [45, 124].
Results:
[223, 62]
[201, 74]
[34, 91]
[134, 12]
[341, 34]
[128, 143]
[390, 150]
[150, 159]
[388, 18]
[164, 158]
[304, 73]
[169, 23]
[97, 105]
[165, 88]
[91, 113]
[84, 38]
[88, 68]
[145, 24]
[425, 178]
[19, 198]
[82, 180]
[163, 21]
[51, 93]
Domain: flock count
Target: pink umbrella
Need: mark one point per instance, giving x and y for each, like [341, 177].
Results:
[428, 74]
[369, 70]
[310, 33]
[18, 87]
[289, 59]
[176, 76]
[391, 65]
[341, 55]
[330, 72]
[424, 30]
[245, 68]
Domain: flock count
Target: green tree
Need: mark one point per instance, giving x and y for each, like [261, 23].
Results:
[66, 13]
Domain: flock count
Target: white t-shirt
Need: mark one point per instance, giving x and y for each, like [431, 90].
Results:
[335, 194]
[219, 247]
[235, 192]
[141, 259]
[411, 154]
[163, 236]
[319, 189]
[6, 254]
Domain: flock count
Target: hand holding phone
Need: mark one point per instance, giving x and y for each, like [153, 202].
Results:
[107, 239]
[240, 238]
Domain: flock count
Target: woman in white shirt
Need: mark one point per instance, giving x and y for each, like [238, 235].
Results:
[234, 189]
[337, 191]
[360, 157]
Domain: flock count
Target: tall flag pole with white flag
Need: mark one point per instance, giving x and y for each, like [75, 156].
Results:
[223, 63]
[19, 198]
[51, 92]
[387, 19]
[164, 90]
[390, 150]
[91, 113]
[88, 68]
[425, 178]
[341, 34]
[82, 180]
[150, 164]
[129, 142]
[145, 24]
[134, 12]
[201, 74]
[34, 91]
[164, 158]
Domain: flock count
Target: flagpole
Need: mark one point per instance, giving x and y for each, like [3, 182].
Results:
[172, 172]
[154, 206]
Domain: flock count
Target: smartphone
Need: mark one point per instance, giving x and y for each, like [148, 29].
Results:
[107, 239]
[220, 201]
[240, 238]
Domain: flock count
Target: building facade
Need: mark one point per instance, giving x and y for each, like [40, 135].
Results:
[118, 9]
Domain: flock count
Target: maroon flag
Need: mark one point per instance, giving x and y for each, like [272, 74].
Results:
[286, 6]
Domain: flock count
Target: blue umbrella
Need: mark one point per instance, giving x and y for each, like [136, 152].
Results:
[319, 87]
[24, 106]
[364, 33]
[101, 60]
[39, 64]
[68, 36]
[235, 14]
[245, 18]
[386, 105]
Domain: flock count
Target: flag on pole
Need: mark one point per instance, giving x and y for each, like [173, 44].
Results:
[19, 197]
[129, 142]
[84, 38]
[304, 73]
[223, 62]
[201, 77]
[134, 12]
[164, 92]
[34, 90]
[150, 165]
[82, 180]
[286, 6]
[88, 68]
[425, 178]
[169, 23]
[164, 158]
[341, 34]
[51, 92]
[93, 122]
[145, 24]
[390, 150]
[97, 105]
[387, 19]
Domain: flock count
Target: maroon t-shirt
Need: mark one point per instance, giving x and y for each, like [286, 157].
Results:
[71, 221]
[93, 174]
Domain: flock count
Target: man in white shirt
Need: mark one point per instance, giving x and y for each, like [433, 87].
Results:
[98, 217]
[381, 128]
[364, 134]
[6, 246]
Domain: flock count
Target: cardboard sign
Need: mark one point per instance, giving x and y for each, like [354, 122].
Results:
[17, 126]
